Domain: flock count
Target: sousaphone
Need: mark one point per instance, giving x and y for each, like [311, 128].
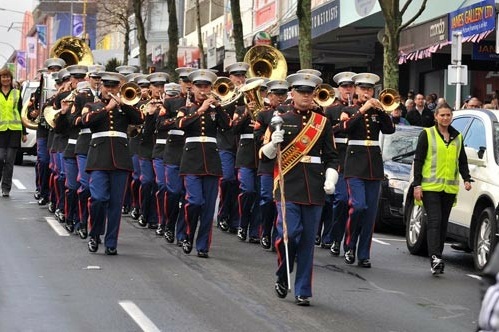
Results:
[73, 50]
[266, 61]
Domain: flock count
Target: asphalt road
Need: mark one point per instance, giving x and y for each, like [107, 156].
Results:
[50, 282]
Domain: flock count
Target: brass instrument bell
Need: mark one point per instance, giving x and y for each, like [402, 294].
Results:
[130, 93]
[324, 95]
[266, 61]
[73, 50]
[390, 99]
[251, 92]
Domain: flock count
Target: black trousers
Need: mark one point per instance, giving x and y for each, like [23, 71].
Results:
[437, 206]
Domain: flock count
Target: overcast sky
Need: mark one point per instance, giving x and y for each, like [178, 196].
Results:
[8, 15]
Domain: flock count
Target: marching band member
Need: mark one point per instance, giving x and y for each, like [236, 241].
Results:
[277, 93]
[42, 170]
[134, 141]
[200, 164]
[308, 154]
[246, 164]
[149, 216]
[69, 111]
[108, 160]
[175, 225]
[363, 170]
[126, 70]
[89, 95]
[335, 113]
[64, 84]
[228, 217]
[171, 90]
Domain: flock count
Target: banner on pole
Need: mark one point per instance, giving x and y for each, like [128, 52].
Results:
[42, 34]
[31, 42]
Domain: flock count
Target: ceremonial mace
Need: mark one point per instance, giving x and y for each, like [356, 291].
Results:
[276, 123]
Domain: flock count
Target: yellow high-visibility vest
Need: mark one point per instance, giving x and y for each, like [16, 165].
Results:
[441, 166]
[9, 115]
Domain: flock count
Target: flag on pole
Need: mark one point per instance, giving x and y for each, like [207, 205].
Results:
[21, 59]
[41, 29]
[78, 25]
[31, 42]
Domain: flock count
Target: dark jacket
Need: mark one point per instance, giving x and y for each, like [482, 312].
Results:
[425, 119]
[175, 139]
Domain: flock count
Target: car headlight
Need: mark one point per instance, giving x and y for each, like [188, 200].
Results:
[398, 186]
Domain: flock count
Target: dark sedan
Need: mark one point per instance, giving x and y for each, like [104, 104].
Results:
[398, 154]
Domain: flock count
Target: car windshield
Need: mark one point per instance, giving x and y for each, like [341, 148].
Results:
[495, 126]
[401, 145]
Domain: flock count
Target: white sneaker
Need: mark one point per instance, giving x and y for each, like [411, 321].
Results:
[437, 265]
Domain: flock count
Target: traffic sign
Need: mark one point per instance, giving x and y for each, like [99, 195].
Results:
[457, 74]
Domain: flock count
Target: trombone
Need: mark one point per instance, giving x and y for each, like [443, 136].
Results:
[389, 99]
[324, 95]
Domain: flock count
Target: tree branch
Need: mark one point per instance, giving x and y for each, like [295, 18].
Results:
[420, 11]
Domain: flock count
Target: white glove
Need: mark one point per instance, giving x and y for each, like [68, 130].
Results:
[270, 149]
[331, 180]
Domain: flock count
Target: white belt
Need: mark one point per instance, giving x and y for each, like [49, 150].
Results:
[85, 131]
[363, 142]
[343, 140]
[247, 136]
[110, 133]
[176, 132]
[71, 141]
[201, 139]
[311, 160]
[161, 141]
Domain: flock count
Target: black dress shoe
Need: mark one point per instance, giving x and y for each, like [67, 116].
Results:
[187, 247]
[203, 254]
[93, 244]
[223, 224]
[350, 256]
[152, 226]
[265, 242]
[241, 234]
[302, 301]
[111, 251]
[335, 248]
[170, 237]
[161, 230]
[51, 207]
[253, 239]
[317, 240]
[37, 195]
[326, 245]
[281, 289]
[42, 201]
[59, 214]
[135, 214]
[70, 227]
[82, 232]
[125, 210]
[364, 263]
[232, 230]
[142, 221]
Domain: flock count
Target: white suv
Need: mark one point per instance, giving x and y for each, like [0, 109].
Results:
[474, 220]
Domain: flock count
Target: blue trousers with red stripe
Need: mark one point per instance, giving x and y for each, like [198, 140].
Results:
[201, 198]
[107, 189]
[302, 224]
[174, 195]
[147, 191]
[71, 200]
[363, 206]
[248, 213]
[160, 194]
[84, 190]
[42, 167]
[340, 209]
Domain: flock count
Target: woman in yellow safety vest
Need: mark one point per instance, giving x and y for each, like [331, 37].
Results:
[438, 161]
[11, 128]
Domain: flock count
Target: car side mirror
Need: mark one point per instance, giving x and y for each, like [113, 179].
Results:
[473, 156]
[481, 152]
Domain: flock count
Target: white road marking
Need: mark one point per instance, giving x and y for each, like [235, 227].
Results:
[474, 276]
[138, 316]
[56, 226]
[381, 242]
[18, 184]
[390, 239]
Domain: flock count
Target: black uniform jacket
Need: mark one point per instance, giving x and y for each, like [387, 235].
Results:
[148, 136]
[174, 142]
[201, 158]
[364, 161]
[304, 183]
[83, 140]
[333, 113]
[247, 151]
[61, 133]
[110, 153]
[135, 132]
[226, 139]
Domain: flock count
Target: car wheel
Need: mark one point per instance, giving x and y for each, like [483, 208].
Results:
[19, 157]
[415, 231]
[485, 239]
